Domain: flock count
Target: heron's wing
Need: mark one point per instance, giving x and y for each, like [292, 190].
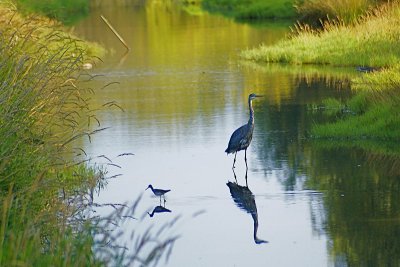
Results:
[238, 137]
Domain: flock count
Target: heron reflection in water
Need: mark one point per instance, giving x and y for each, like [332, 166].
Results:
[241, 137]
[244, 199]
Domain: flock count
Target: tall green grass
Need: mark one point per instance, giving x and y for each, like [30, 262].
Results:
[46, 191]
[348, 11]
[371, 41]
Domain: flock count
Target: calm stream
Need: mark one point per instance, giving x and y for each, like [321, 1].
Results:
[184, 92]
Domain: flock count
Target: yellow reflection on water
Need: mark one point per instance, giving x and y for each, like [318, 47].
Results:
[181, 67]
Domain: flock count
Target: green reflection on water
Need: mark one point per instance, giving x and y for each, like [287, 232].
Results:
[360, 181]
[362, 202]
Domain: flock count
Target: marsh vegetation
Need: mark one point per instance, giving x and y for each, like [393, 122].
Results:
[323, 165]
[47, 183]
[368, 42]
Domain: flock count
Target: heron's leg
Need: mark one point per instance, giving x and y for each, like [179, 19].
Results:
[245, 157]
[234, 174]
[246, 178]
[234, 160]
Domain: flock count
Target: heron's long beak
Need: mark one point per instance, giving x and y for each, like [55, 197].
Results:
[259, 95]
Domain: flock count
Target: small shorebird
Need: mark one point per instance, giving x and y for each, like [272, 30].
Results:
[158, 192]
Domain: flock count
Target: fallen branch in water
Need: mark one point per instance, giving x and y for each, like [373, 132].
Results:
[115, 32]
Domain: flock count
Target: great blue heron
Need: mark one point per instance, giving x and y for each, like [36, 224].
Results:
[158, 192]
[241, 137]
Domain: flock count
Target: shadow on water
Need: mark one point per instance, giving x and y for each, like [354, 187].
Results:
[244, 199]
[159, 209]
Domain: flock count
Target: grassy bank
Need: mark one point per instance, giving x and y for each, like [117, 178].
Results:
[253, 9]
[371, 41]
[64, 11]
[311, 12]
[347, 11]
[46, 189]
[373, 113]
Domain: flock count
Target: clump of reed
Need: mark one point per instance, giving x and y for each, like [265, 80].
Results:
[314, 11]
[46, 191]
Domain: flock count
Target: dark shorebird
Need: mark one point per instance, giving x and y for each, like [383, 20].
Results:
[241, 137]
[158, 192]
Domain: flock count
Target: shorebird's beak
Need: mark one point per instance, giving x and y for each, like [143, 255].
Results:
[147, 188]
[259, 95]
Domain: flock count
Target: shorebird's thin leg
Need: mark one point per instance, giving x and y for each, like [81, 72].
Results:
[234, 160]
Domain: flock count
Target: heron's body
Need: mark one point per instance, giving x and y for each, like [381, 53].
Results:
[241, 137]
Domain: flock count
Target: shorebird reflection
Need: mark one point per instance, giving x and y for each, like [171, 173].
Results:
[158, 209]
[244, 199]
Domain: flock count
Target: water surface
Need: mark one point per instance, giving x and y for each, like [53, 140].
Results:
[184, 92]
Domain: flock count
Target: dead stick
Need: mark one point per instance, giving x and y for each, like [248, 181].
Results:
[115, 32]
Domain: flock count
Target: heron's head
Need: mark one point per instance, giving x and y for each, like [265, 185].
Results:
[150, 186]
[253, 96]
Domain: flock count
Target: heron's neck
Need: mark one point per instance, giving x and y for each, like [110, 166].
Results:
[255, 228]
[256, 239]
[251, 119]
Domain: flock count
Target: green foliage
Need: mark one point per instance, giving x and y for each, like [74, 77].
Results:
[64, 11]
[252, 9]
[46, 190]
[39, 112]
